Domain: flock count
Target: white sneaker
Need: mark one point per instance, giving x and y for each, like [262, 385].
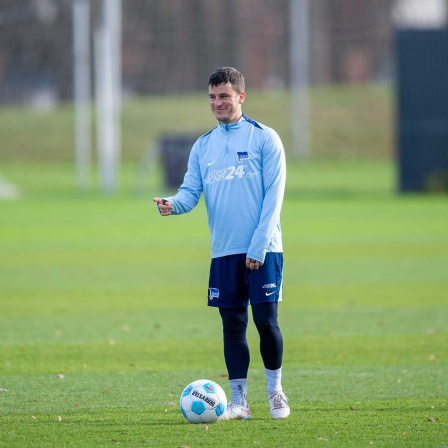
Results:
[278, 403]
[236, 412]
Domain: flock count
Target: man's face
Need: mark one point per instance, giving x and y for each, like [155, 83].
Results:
[225, 103]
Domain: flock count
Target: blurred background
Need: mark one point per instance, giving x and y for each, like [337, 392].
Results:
[100, 84]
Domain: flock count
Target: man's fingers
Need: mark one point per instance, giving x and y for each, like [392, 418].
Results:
[253, 264]
[164, 206]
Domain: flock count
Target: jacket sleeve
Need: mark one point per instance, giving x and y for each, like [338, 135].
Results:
[274, 178]
[189, 193]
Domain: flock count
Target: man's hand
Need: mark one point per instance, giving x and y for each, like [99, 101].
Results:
[164, 206]
[253, 264]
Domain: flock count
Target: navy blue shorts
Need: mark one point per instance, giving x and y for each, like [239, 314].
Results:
[232, 285]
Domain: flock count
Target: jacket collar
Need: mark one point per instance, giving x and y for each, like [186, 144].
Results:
[232, 126]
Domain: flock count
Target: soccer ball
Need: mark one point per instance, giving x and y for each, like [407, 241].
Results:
[203, 401]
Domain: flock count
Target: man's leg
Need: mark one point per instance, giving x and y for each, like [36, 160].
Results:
[265, 317]
[237, 358]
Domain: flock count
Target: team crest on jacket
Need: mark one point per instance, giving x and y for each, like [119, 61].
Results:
[242, 155]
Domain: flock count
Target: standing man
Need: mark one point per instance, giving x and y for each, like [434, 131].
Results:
[240, 167]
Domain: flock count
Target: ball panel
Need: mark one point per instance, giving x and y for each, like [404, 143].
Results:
[198, 407]
[185, 402]
[209, 416]
[209, 388]
[187, 391]
[221, 408]
[193, 418]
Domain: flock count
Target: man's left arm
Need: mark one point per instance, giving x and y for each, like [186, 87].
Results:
[274, 178]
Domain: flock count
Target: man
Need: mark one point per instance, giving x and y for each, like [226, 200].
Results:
[240, 167]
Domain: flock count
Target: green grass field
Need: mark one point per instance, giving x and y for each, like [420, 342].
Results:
[105, 292]
[91, 354]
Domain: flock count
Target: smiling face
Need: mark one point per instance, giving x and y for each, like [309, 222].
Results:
[226, 103]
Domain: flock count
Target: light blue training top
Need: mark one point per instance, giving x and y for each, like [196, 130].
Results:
[241, 170]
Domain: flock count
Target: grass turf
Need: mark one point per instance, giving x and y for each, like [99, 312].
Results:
[110, 295]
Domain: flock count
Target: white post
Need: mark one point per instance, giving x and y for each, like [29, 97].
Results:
[299, 44]
[116, 36]
[108, 88]
[81, 75]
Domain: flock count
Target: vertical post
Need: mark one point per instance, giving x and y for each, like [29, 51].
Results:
[116, 19]
[299, 57]
[81, 75]
[108, 87]
[104, 112]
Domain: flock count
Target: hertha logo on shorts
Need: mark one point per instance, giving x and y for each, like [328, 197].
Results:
[213, 293]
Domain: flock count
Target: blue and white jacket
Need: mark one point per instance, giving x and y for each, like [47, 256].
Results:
[241, 170]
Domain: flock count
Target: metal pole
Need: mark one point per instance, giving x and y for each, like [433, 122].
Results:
[112, 21]
[117, 79]
[104, 108]
[299, 56]
[81, 53]
[108, 82]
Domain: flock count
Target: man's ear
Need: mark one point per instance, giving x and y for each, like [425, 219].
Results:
[242, 97]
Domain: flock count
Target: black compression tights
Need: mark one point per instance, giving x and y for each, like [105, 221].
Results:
[236, 349]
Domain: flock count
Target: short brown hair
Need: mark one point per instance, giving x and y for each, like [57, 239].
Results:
[225, 75]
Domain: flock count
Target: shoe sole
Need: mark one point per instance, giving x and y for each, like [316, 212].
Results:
[281, 418]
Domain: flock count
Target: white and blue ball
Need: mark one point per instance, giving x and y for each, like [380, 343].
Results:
[203, 401]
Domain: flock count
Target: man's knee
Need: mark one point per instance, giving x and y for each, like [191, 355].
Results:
[265, 314]
[234, 320]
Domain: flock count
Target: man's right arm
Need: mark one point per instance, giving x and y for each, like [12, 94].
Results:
[189, 192]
